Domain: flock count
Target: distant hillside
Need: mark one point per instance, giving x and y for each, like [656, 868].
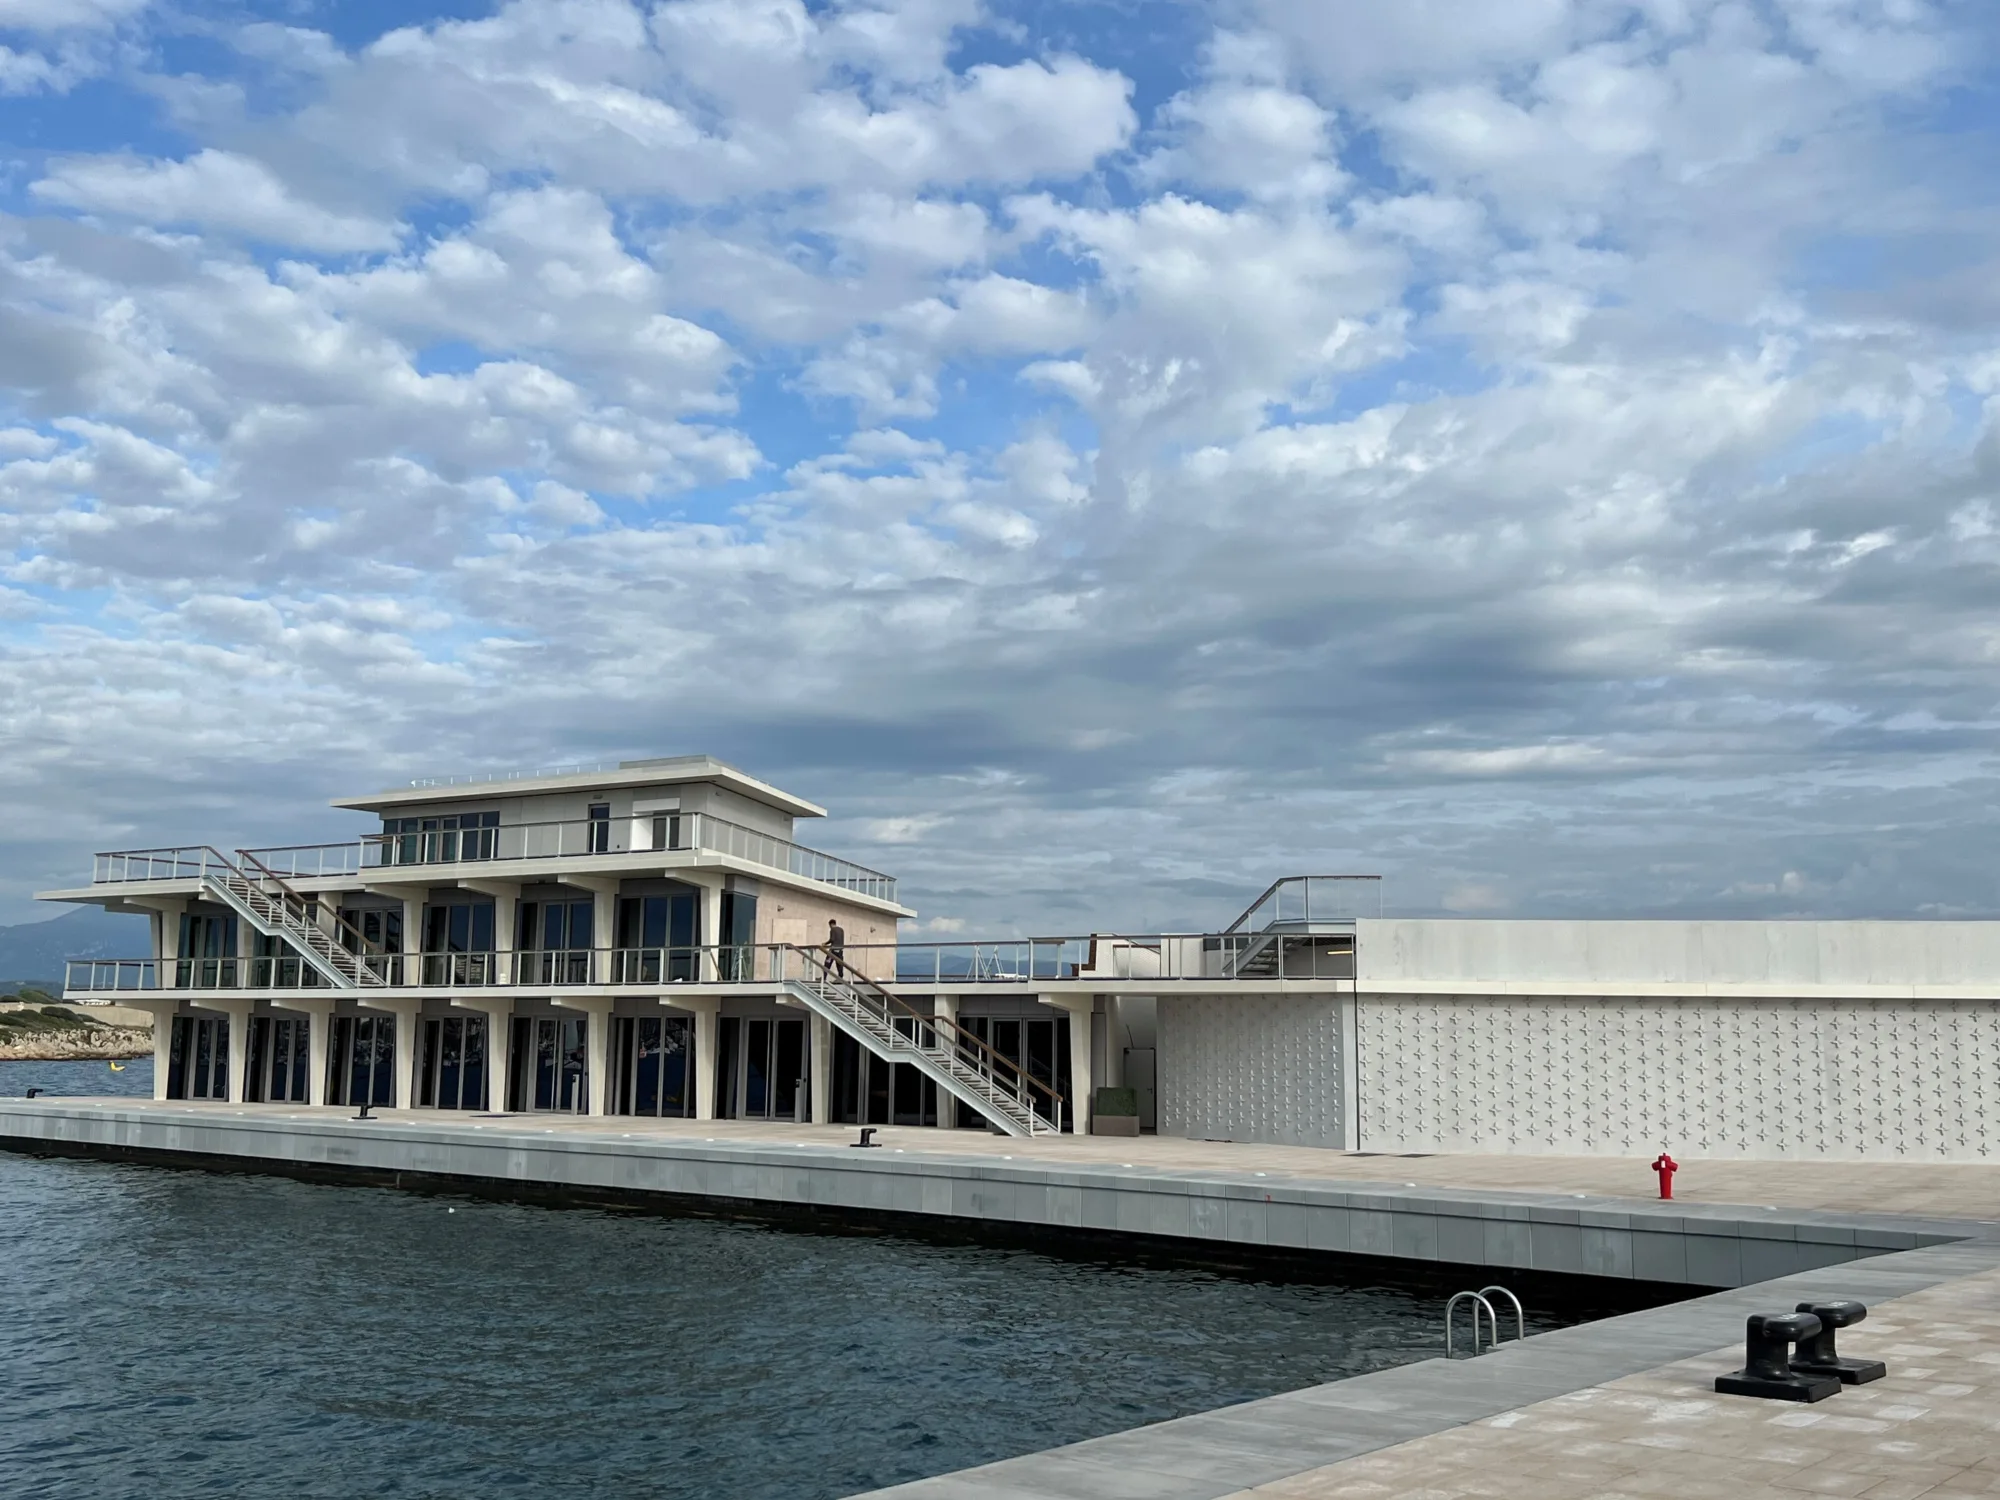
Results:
[33, 952]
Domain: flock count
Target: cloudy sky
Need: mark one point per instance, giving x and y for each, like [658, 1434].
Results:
[1110, 453]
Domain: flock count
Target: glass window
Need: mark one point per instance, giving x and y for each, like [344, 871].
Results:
[600, 827]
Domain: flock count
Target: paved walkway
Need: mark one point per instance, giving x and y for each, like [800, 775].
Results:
[1928, 1189]
[1931, 1428]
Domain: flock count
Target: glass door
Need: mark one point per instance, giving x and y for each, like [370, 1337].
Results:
[764, 1064]
[277, 1064]
[655, 940]
[551, 1065]
[198, 1058]
[1037, 1046]
[454, 1066]
[361, 1062]
[655, 1071]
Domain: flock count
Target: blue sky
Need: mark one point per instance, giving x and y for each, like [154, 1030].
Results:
[1110, 454]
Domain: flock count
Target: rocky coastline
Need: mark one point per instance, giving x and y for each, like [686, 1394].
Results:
[53, 1033]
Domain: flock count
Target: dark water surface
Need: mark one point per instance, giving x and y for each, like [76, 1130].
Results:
[174, 1333]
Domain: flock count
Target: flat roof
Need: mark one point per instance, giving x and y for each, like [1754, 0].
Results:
[670, 770]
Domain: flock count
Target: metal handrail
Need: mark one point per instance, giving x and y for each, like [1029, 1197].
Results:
[1520, 1316]
[963, 1039]
[1173, 957]
[1478, 1301]
[363, 948]
[1305, 882]
[686, 833]
[1176, 958]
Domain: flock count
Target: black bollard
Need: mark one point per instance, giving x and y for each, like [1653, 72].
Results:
[1767, 1367]
[1817, 1355]
[867, 1138]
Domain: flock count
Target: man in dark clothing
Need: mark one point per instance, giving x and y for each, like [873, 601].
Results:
[836, 946]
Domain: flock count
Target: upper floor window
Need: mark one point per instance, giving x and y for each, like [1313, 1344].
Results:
[441, 839]
[600, 827]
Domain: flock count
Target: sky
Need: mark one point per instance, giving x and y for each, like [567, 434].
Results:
[1111, 454]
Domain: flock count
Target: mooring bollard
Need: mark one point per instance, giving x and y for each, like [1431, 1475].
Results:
[1767, 1369]
[867, 1138]
[1666, 1166]
[1817, 1356]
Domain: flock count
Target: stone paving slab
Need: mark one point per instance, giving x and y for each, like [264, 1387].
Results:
[1934, 1190]
[1932, 1427]
[1621, 1407]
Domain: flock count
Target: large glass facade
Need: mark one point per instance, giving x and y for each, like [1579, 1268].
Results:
[550, 1065]
[735, 957]
[198, 1058]
[763, 1068]
[453, 1072]
[554, 942]
[277, 1065]
[1038, 1047]
[656, 940]
[276, 964]
[207, 952]
[654, 1061]
[869, 1091]
[458, 942]
[440, 840]
[361, 1060]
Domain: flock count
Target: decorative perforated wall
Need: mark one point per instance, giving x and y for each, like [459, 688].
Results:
[1260, 1068]
[1811, 1079]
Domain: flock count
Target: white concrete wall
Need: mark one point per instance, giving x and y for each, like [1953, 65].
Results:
[1587, 957]
[1869, 1079]
[1251, 1068]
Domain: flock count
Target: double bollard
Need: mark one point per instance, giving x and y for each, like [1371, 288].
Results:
[1791, 1356]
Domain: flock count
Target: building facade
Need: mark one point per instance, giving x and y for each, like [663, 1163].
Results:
[648, 940]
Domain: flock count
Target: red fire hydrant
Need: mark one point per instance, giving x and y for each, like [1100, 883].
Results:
[1666, 1166]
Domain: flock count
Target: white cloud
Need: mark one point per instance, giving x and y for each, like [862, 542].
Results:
[1576, 496]
[66, 15]
[216, 190]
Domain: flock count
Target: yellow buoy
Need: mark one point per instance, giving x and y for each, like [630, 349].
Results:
[118, 1067]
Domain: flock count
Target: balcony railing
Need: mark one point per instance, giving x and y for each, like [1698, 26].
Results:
[1175, 959]
[667, 833]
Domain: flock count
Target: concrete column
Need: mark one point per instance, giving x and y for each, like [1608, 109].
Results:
[163, 1045]
[603, 920]
[596, 1046]
[413, 944]
[822, 1071]
[246, 952]
[1078, 1008]
[707, 1010]
[319, 1036]
[506, 896]
[166, 918]
[946, 1008]
[506, 910]
[499, 1015]
[709, 933]
[1079, 1068]
[238, 1012]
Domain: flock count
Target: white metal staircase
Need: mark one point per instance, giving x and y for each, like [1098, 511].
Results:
[256, 894]
[951, 1057]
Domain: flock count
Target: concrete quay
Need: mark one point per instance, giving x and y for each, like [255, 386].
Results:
[1255, 1197]
[1608, 1408]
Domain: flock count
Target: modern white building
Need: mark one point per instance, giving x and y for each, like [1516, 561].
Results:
[648, 939]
